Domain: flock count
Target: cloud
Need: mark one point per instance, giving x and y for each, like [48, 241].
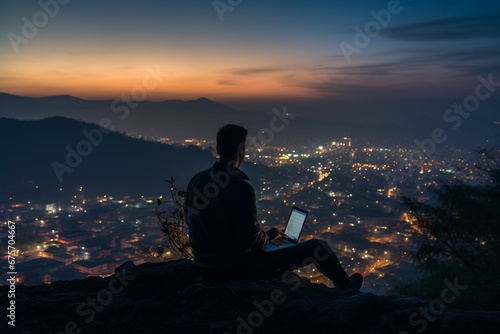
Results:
[459, 28]
[386, 68]
[462, 59]
[227, 82]
[409, 71]
[258, 70]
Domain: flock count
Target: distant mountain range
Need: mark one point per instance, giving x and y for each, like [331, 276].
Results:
[173, 119]
[201, 118]
[180, 120]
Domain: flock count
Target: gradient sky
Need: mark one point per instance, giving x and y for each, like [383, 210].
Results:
[262, 52]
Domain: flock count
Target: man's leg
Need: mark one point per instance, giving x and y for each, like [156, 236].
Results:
[312, 251]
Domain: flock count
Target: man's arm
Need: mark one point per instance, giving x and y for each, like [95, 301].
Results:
[272, 233]
[247, 231]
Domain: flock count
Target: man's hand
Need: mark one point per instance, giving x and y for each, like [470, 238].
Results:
[272, 233]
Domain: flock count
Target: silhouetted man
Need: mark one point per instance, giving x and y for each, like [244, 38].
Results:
[223, 230]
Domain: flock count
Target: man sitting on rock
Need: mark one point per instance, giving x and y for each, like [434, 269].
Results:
[225, 236]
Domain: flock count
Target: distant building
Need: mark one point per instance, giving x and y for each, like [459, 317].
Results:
[38, 271]
[52, 207]
[80, 254]
[100, 267]
[73, 238]
[58, 254]
[128, 243]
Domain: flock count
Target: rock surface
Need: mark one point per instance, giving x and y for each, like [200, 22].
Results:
[172, 298]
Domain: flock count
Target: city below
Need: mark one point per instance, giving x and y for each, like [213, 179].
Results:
[352, 192]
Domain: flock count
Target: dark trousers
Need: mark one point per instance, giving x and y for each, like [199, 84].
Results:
[263, 265]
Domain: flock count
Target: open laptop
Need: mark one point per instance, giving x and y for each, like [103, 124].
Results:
[293, 230]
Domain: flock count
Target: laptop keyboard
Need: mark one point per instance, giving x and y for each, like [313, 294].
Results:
[278, 242]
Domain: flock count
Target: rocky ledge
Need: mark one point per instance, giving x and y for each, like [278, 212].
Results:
[172, 298]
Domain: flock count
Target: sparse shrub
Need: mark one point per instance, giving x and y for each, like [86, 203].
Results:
[170, 214]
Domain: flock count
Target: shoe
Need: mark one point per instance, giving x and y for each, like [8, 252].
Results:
[356, 280]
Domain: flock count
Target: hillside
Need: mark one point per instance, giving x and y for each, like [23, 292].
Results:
[172, 298]
[32, 152]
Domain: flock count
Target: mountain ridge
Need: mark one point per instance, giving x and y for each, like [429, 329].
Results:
[46, 142]
[177, 119]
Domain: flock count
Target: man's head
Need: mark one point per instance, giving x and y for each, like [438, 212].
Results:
[231, 143]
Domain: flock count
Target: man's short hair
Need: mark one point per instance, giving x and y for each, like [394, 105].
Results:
[230, 138]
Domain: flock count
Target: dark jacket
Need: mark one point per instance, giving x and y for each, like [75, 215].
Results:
[221, 213]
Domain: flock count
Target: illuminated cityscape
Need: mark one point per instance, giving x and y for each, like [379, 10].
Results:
[348, 189]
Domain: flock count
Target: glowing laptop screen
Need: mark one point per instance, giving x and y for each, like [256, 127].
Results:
[295, 223]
